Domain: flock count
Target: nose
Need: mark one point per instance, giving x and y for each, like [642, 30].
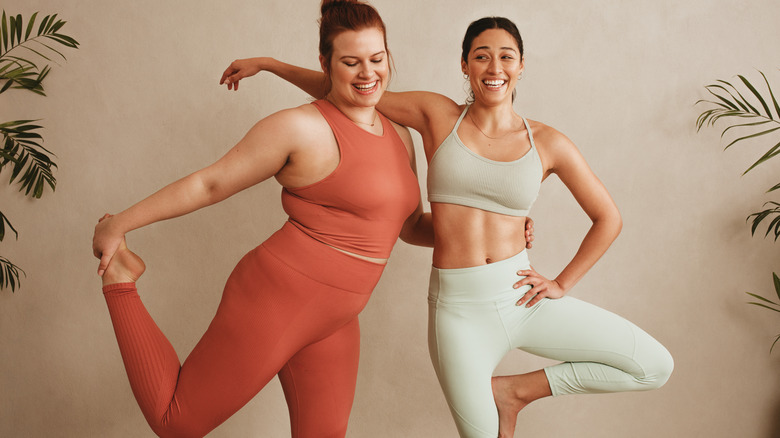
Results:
[365, 69]
[495, 65]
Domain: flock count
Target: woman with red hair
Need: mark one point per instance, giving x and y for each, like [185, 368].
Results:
[290, 306]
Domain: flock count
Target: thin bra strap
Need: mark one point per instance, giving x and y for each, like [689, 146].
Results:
[530, 135]
[463, 114]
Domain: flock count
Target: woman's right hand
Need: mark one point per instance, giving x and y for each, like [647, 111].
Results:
[105, 241]
[240, 69]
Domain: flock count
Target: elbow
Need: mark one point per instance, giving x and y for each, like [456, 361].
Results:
[618, 220]
[407, 234]
[610, 222]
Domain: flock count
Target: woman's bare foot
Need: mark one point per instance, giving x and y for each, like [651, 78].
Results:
[513, 393]
[124, 267]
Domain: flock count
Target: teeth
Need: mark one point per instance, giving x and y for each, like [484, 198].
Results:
[366, 86]
[495, 83]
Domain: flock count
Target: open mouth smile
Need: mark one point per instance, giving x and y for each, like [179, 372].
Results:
[366, 88]
[494, 84]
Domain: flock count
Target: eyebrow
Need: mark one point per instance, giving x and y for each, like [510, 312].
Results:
[488, 48]
[370, 56]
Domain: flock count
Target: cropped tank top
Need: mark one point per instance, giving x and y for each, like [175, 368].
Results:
[361, 206]
[458, 175]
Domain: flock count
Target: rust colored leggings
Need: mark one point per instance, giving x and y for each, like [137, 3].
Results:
[289, 309]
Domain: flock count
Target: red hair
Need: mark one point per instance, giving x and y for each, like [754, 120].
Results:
[338, 16]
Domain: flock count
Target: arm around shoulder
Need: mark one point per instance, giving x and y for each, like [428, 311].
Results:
[313, 82]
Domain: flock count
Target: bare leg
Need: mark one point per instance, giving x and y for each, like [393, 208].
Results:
[124, 267]
[513, 393]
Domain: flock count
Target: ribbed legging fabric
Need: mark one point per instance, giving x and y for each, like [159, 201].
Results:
[289, 309]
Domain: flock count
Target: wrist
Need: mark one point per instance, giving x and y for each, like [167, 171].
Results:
[562, 285]
[265, 63]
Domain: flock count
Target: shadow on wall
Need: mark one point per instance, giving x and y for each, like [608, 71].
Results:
[774, 431]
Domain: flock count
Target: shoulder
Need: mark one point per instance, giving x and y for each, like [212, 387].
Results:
[300, 124]
[555, 148]
[547, 137]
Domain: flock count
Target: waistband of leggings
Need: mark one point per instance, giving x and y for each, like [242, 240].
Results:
[480, 281]
[321, 262]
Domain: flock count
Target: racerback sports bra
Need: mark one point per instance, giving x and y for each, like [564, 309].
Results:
[362, 205]
[458, 175]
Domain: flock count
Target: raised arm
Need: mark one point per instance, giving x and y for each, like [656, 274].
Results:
[262, 153]
[420, 110]
[562, 158]
[313, 82]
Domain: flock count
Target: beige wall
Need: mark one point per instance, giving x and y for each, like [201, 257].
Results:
[138, 106]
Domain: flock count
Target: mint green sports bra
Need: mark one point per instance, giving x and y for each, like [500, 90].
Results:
[458, 175]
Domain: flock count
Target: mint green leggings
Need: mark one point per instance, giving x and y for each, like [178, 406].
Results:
[474, 322]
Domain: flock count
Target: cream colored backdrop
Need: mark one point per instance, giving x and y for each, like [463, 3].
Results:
[138, 106]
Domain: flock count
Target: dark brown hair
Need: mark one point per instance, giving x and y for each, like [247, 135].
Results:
[338, 16]
[477, 27]
[483, 24]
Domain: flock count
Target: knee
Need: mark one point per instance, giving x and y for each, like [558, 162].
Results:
[658, 370]
[179, 430]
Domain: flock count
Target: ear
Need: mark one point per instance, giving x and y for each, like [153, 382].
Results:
[522, 65]
[464, 66]
[324, 66]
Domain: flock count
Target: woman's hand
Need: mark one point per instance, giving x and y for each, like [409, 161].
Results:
[529, 232]
[105, 241]
[240, 69]
[540, 288]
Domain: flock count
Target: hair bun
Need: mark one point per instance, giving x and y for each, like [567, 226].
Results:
[328, 4]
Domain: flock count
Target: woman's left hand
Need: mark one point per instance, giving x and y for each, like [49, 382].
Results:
[541, 287]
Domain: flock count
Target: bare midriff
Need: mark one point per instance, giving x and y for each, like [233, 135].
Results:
[362, 257]
[467, 236]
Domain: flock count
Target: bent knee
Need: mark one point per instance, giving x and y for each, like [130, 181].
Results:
[180, 430]
[658, 370]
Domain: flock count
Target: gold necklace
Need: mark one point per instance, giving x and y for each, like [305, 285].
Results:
[373, 122]
[483, 132]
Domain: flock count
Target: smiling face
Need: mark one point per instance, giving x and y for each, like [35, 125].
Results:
[494, 64]
[359, 68]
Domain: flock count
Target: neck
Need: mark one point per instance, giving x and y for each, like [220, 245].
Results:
[358, 114]
[495, 117]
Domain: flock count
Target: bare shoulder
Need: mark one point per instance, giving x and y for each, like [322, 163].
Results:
[548, 138]
[300, 124]
[555, 149]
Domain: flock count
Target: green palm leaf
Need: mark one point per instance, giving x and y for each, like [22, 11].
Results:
[9, 274]
[3, 221]
[15, 35]
[774, 225]
[769, 304]
[29, 160]
[730, 103]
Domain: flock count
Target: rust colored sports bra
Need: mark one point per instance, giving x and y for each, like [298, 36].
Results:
[361, 206]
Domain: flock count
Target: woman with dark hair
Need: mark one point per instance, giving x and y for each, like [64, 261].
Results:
[486, 164]
[290, 306]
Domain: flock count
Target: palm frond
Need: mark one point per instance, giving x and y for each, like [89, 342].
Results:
[9, 274]
[732, 104]
[769, 304]
[3, 221]
[15, 35]
[774, 224]
[30, 162]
